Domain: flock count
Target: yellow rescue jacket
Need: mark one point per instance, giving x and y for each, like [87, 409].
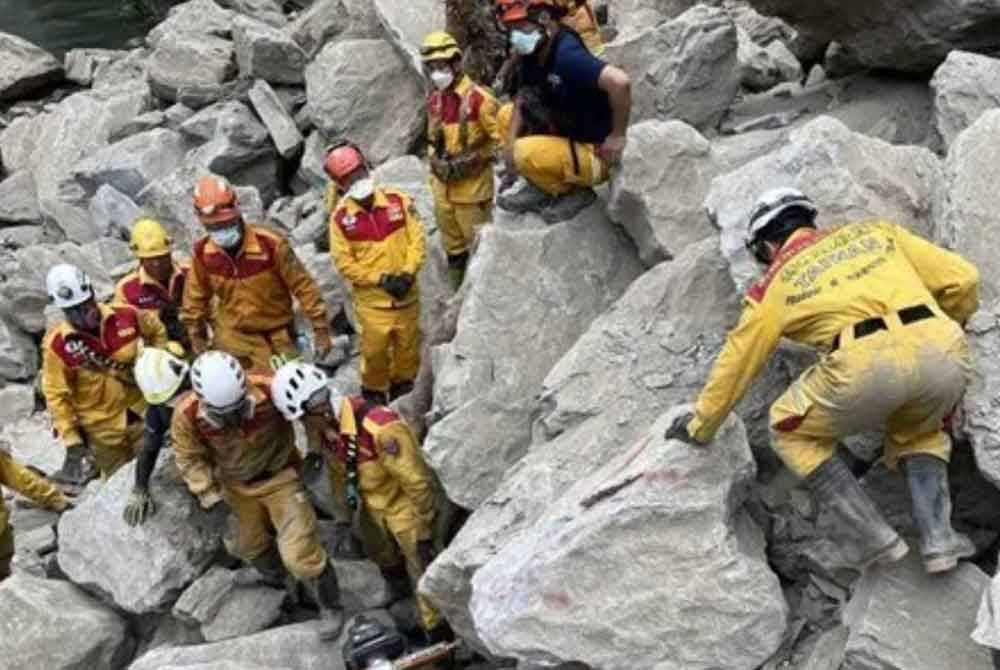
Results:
[581, 19]
[461, 121]
[87, 381]
[15, 476]
[395, 481]
[254, 290]
[823, 281]
[365, 245]
[261, 450]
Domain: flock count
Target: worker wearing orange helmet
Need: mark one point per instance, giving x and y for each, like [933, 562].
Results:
[572, 109]
[462, 136]
[158, 283]
[253, 274]
[377, 244]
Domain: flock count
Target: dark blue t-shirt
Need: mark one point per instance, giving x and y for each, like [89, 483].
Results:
[568, 82]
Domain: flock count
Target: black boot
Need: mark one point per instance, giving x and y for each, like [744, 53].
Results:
[399, 389]
[325, 590]
[858, 522]
[270, 570]
[373, 397]
[456, 269]
[398, 580]
[940, 545]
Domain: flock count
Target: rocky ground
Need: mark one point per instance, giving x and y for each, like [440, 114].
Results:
[548, 379]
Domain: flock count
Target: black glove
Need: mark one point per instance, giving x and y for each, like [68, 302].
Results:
[78, 468]
[404, 283]
[425, 549]
[678, 430]
[140, 507]
[397, 285]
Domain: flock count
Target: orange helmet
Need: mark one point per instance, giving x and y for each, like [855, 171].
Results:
[342, 159]
[215, 200]
[511, 11]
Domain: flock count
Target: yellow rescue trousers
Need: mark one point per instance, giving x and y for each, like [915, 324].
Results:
[390, 344]
[254, 350]
[277, 509]
[908, 378]
[458, 222]
[116, 441]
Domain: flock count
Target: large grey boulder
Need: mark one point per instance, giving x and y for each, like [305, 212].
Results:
[651, 350]
[195, 17]
[18, 140]
[326, 20]
[53, 625]
[190, 68]
[74, 130]
[364, 90]
[834, 166]
[224, 609]
[965, 85]
[658, 193]
[264, 52]
[234, 138]
[18, 200]
[486, 378]
[900, 617]
[631, 16]
[764, 67]
[18, 353]
[25, 67]
[406, 24]
[571, 588]
[32, 442]
[268, 11]
[81, 64]
[98, 550]
[17, 402]
[130, 165]
[114, 212]
[115, 72]
[893, 34]
[169, 199]
[279, 123]
[683, 69]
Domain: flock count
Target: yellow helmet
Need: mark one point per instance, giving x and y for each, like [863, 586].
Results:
[149, 239]
[439, 45]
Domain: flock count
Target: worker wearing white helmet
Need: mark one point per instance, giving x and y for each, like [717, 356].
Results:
[374, 461]
[231, 443]
[87, 380]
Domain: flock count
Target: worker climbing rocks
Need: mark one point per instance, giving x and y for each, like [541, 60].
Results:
[15, 476]
[376, 462]
[581, 18]
[567, 126]
[158, 283]
[884, 307]
[231, 443]
[462, 137]
[254, 275]
[162, 377]
[87, 381]
[377, 244]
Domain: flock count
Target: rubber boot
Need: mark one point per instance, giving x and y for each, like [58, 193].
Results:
[270, 571]
[858, 521]
[565, 207]
[399, 389]
[456, 269]
[398, 580]
[523, 197]
[374, 397]
[325, 590]
[940, 545]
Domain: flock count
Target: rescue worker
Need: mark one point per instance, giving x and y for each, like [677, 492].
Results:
[15, 476]
[377, 244]
[87, 381]
[231, 443]
[581, 18]
[572, 109]
[884, 307]
[374, 459]
[254, 275]
[158, 283]
[462, 134]
[162, 377]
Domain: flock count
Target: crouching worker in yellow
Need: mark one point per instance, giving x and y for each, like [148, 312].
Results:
[461, 133]
[884, 307]
[87, 380]
[231, 444]
[15, 476]
[375, 460]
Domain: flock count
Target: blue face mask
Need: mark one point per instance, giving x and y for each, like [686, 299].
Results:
[525, 43]
[228, 237]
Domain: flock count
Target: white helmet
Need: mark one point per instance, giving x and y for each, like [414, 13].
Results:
[218, 380]
[773, 203]
[68, 286]
[293, 384]
[159, 374]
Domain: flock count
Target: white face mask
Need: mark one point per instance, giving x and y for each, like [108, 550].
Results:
[362, 189]
[525, 43]
[228, 237]
[442, 79]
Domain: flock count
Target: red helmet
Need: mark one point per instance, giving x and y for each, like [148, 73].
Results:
[342, 160]
[215, 200]
[511, 11]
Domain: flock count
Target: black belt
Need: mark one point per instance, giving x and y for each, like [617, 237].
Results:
[907, 316]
